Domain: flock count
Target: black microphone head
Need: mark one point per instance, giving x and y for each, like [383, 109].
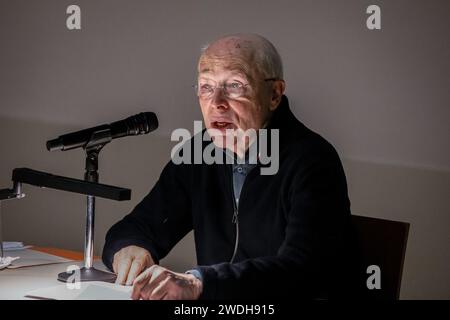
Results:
[141, 123]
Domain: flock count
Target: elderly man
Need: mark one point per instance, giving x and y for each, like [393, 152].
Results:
[256, 236]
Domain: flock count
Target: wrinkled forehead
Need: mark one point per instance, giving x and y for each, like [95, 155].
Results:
[232, 55]
[220, 67]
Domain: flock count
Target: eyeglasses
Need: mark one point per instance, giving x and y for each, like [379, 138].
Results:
[231, 90]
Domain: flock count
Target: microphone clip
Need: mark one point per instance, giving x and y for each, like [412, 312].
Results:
[98, 140]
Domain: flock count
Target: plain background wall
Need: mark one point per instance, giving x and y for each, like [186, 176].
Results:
[381, 97]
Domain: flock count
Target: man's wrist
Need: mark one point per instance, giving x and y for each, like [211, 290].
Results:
[196, 273]
[197, 285]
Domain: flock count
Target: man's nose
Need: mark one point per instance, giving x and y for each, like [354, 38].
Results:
[218, 99]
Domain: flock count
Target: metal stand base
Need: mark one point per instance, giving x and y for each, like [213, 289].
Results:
[88, 274]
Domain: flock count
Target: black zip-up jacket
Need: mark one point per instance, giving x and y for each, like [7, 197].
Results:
[294, 226]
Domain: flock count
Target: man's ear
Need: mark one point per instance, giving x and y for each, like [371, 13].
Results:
[278, 88]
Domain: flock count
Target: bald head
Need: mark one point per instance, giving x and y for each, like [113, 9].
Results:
[240, 84]
[251, 54]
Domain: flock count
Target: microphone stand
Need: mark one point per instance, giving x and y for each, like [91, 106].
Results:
[89, 187]
[88, 273]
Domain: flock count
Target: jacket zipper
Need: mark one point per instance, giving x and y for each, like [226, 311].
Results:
[235, 218]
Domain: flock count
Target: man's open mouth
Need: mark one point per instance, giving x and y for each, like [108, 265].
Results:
[222, 125]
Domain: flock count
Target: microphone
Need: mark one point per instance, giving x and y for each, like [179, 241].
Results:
[141, 123]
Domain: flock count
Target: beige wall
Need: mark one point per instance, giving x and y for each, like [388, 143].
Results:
[381, 97]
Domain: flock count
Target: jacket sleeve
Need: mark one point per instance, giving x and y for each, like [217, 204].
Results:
[318, 209]
[158, 222]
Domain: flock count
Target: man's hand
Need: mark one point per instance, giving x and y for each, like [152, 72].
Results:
[129, 262]
[159, 283]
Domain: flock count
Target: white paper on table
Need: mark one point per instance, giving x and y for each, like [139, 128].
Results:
[14, 245]
[6, 261]
[94, 290]
[28, 258]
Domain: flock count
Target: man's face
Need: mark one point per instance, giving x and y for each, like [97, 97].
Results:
[222, 112]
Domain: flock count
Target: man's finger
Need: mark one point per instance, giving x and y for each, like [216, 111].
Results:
[153, 283]
[115, 264]
[147, 281]
[136, 267]
[161, 289]
[140, 282]
[122, 270]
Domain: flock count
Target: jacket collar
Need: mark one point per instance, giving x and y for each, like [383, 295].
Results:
[283, 118]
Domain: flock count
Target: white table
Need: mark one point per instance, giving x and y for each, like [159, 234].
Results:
[15, 283]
